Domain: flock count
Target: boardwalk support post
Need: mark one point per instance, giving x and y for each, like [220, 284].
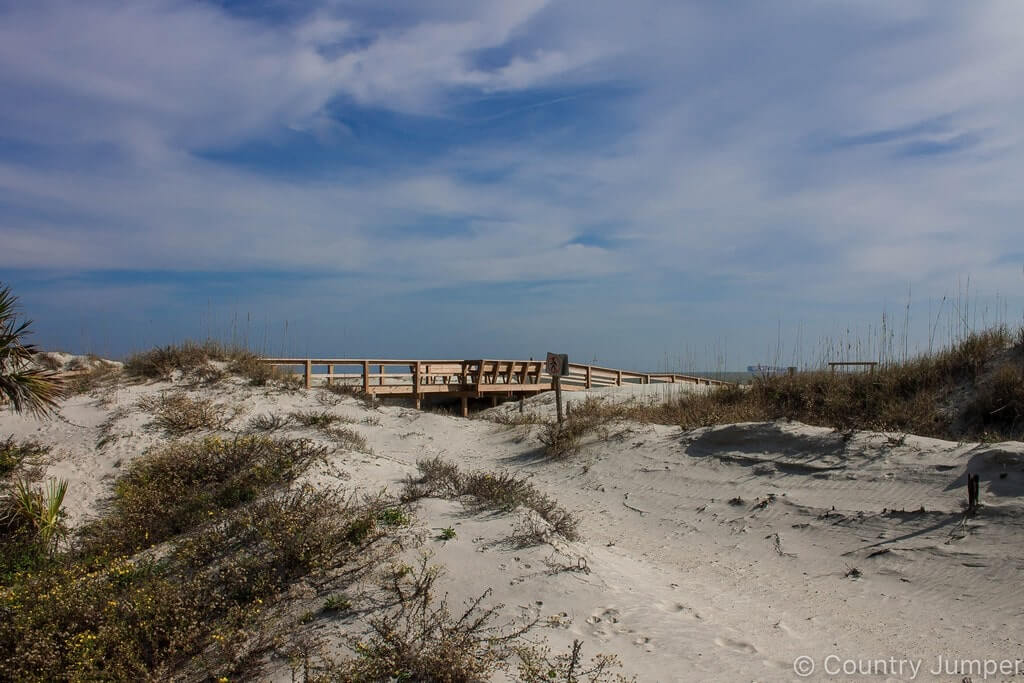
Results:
[465, 406]
[309, 373]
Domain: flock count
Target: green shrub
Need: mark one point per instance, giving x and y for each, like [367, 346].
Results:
[174, 489]
[338, 602]
[200, 609]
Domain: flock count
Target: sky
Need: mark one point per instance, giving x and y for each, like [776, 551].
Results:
[651, 185]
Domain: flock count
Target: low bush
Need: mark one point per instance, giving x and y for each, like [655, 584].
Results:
[537, 666]
[203, 608]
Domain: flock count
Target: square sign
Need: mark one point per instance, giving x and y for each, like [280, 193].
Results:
[557, 364]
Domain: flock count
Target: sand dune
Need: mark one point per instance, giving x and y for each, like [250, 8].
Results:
[722, 553]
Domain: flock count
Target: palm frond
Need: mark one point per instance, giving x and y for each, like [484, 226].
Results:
[29, 389]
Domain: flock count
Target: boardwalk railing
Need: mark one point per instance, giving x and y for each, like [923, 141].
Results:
[465, 378]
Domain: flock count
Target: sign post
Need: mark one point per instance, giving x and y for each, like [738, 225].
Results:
[557, 365]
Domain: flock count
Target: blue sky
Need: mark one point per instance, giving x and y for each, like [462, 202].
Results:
[649, 184]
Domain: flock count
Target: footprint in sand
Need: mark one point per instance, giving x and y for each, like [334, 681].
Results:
[737, 646]
[609, 615]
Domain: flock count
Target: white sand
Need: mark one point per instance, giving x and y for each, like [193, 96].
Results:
[682, 585]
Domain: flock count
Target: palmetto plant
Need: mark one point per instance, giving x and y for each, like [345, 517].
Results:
[28, 388]
[39, 511]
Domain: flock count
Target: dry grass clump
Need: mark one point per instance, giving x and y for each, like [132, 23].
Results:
[311, 418]
[997, 406]
[348, 438]
[503, 491]
[512, 419]
[14, 455]
[179, 414]
[269, 423]
[91, 376]
[48, 361]
[171, 490]
[163, 361]
[564, 439]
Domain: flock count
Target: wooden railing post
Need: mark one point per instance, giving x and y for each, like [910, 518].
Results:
[366, 376]
[309, 373]
[330, 371]
[618, 378]
[416, 383]
[588, 376]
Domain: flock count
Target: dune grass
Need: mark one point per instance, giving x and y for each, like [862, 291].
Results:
[974, 389]
[193, 359]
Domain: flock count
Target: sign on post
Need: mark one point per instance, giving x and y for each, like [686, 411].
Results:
[557, 366]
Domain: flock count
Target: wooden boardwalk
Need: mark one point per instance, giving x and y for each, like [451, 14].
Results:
[465, 379]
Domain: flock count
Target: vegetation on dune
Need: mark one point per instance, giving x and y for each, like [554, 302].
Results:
[31, 516]
[192, 359]
[974, 389]
[172, 489]
[190, 571]
[233, 537]
[971, 390]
